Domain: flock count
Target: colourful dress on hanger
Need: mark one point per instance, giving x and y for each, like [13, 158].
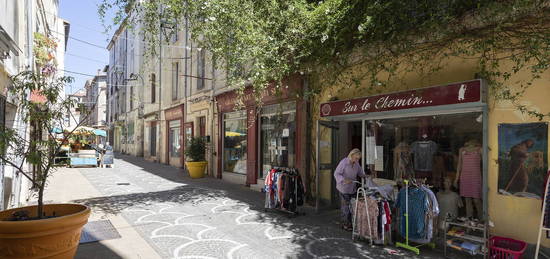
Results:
[470, 175]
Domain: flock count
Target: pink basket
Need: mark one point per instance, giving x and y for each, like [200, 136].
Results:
[506, 248]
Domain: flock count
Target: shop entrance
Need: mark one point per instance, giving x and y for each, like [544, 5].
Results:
[336, 139]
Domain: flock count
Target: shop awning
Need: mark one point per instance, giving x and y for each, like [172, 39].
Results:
[99, 132]
[233, 134]
[90, 130]
[57, 130]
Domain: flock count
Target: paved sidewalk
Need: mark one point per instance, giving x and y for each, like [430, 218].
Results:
[67, 185]
[156, 207]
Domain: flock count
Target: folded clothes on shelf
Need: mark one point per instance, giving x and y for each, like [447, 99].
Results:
[464, 246]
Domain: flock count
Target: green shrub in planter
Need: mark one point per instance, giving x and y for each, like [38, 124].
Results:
[195, 149]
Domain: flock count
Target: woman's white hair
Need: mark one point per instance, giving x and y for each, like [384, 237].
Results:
[353, 152]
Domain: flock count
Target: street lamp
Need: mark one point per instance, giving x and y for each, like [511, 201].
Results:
[140, 106]
[134, 77]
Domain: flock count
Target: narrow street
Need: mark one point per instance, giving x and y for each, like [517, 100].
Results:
[206, 218]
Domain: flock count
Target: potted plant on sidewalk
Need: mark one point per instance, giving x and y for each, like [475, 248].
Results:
[194, 155]
[42, 230]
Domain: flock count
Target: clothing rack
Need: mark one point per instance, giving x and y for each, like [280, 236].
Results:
[354, 234]
[293, 172]
[406, 245]
[366, 192]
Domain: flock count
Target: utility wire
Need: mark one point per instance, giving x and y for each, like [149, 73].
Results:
[86, 58]
[78, 73]
[85, 42]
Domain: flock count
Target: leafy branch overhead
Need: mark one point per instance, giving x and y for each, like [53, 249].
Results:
[263, 41]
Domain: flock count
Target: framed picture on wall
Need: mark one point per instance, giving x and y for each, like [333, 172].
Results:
[522, 159]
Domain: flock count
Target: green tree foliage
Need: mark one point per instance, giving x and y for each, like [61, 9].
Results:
[263, 41]
[42, 107]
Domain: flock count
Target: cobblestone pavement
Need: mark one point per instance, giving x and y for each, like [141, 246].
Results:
[208, 218]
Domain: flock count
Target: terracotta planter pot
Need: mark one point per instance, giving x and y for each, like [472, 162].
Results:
[196, 169]
[46, 238]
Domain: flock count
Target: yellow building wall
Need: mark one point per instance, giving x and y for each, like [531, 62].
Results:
[513, 217]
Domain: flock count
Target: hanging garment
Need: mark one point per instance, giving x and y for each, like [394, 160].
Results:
[276, 183]
[381, 221]
[424, 152]
[470, 175]
[433, 212]
[387, 190]
[417, 209]
[301, 191]
[268, 188]
[363, 222]
[388, 216]
[402, 164]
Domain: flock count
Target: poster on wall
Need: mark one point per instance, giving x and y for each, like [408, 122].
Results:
[522, 159]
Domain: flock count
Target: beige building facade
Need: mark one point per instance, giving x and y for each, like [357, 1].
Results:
[19, 20]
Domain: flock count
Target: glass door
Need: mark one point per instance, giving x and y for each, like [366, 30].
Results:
[326, 161]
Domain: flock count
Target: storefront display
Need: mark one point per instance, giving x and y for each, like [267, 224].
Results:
[189, 132]
[430, 136]
[255, 135]
[174, 135]
[427, 147]
[174, 138]
[235, 142]
[277, 136]
[153, 139]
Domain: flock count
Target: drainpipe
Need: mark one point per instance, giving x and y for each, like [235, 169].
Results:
[30, 59]
[212, 148]
[185, 86]
[15, 196]
[160, 93]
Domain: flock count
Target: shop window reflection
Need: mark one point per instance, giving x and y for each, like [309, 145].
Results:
[235, 143]
[277, 136]
[421, 147]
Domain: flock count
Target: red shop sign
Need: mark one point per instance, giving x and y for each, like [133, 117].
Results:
[174, 113]
[465, 92]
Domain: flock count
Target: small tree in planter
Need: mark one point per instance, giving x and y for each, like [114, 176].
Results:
[194, 155]
[42, 108]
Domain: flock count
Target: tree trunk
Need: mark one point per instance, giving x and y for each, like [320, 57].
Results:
[41, 201]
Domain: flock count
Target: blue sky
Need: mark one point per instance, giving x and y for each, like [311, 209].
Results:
[86, 26]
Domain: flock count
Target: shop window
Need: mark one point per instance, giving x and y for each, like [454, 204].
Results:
[153, 140]
[153, 88]
[202, 126]
[425, 148]
[130, 133]
[277, 136]
[189, 132]
[235, 142]
[201, 69]
[131, 98]
[174, 37]
[174, 138]
[175, 72]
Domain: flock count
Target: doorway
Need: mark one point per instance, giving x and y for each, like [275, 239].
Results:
[335, 140]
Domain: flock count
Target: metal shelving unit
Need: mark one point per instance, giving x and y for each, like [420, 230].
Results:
[479, 239]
